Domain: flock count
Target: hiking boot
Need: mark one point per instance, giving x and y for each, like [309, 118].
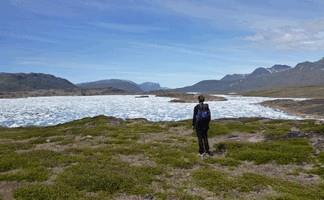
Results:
[201, 155]
[210, 154]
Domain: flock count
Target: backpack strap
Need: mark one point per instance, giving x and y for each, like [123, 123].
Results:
[201, 106]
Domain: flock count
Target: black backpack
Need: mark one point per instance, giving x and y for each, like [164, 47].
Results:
[203, 113]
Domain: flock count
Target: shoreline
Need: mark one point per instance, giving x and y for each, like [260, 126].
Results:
[305, 108]
[145, 120]
[178, 97]
[53, 93]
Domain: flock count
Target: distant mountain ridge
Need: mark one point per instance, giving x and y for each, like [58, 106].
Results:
[277, 76]
[13, 82]
[150, 86]
[126, 85]
[24, 83]
[257, 72]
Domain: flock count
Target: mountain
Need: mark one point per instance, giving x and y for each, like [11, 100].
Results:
[279, 68]
[150, 86]
[277, 76]
[233, 77]
[125, 85]
[14, 82]
[260, 72]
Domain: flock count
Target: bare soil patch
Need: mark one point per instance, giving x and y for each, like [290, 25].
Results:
[238, 137]
[7, 188]
[137, 160]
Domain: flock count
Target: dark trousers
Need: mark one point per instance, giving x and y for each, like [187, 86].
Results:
[203, 140]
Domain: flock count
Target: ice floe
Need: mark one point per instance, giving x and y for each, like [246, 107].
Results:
[45, 111]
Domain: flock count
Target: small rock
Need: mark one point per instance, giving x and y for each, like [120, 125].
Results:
[88, 137]
[177, 101]
[309, 176]
[232, 136]
[148, 197]
[142, 96]
[294, 129]
[295, 134]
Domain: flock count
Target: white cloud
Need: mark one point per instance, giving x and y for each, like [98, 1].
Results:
[305, 36]
[286, 25]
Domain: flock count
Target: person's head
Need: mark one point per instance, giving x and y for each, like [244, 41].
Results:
[201, 99]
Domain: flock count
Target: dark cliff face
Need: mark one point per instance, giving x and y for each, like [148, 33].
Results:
[11, 82]
[278, 76]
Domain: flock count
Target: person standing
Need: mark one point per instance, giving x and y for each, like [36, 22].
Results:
[200, 123]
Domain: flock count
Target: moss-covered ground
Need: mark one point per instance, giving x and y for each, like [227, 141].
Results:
[108, 158]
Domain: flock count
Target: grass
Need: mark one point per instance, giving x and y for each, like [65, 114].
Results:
[35, 158]
[10, 147]
[107, 176]
[223, 128]
[31, 174]
[321, 157]
[230, 162]
[219, 182]
[281, 151]
[91, 168]
[314, 128]
[319, 169]
[46, 192]
[31, 166]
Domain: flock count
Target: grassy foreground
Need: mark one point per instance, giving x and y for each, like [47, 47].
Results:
[109, 158]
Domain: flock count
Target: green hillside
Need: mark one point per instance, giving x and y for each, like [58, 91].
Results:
[108, 158]
[17, 82]
[303, 92]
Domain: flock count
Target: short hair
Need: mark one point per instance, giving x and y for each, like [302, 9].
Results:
[201, 98]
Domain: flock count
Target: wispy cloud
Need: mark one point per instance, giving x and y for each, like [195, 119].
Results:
[50, 62]
[131, 28]
[174, 48]
[75, 8]
[204, 52]
[28, 37]
[300, 27]
[56, 8]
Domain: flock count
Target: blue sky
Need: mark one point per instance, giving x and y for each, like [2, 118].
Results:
[173, 42]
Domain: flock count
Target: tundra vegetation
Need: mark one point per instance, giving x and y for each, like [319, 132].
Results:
[109, 158]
